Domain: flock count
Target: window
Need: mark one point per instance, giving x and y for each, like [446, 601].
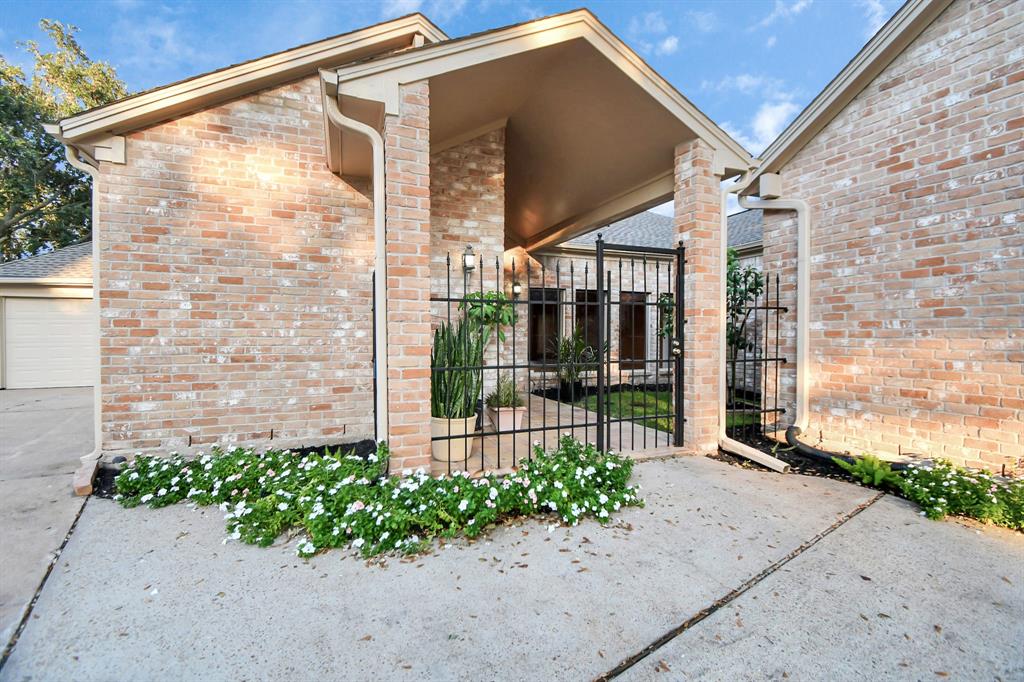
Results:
[632, 329]
[586, 315]
[544, 327]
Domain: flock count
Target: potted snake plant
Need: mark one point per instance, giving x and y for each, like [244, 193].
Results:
[505, 406]
[454, 389]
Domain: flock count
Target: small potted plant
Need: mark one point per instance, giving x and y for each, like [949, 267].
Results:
[505, 406]
[455, 387]
[575, 357]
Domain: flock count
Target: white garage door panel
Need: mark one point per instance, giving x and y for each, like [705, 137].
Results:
[49, 342]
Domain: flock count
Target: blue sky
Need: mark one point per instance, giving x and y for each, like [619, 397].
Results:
[751, 65]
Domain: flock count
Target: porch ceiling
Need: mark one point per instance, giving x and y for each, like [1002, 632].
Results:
[590, 129]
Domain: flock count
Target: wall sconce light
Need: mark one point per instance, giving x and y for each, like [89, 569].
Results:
[468, 259]
[517, 289]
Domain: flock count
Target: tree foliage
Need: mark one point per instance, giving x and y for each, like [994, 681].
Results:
[44, 201]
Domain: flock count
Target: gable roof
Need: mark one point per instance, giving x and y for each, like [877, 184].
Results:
[653, 229]
[175, 99]
[887, 43]
[72, 263]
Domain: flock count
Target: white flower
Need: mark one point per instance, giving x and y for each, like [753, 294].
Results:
[282, 506]
[493, 494]
[161, 492]
[463, 505]
[358, 542]
[146, 498]
[385, 535]
[558, 484]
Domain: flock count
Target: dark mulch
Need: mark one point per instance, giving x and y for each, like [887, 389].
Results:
[103, 486]
[799, 464]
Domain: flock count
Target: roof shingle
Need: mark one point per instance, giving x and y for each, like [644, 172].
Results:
[653, 229]
[70, 262]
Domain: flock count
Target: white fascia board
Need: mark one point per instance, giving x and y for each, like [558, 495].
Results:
[144, 109]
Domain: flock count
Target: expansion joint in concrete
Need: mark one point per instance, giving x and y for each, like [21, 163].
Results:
[731, 596]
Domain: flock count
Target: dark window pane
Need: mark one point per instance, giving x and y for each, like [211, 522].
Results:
[586, 315]
[544, 328]
[632, 329]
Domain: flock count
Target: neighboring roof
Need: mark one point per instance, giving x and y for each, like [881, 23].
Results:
[174, 99]
[69, 263]
[887, 43]
[746, 228]
[653, 229]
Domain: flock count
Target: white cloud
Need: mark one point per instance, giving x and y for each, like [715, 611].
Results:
[705, 22]
[398, 8]
[875, 13]
[153, 43]
[770, 120]
[438, 10]
[667, 46]
[770, 43]
[649, 23]
[782, 10]
[749, 84]
[648, 32]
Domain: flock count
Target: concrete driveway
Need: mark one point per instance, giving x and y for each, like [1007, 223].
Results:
[726, 574]
[43, 432]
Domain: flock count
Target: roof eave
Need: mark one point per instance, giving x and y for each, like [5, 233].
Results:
[218, 86]
[359, 79]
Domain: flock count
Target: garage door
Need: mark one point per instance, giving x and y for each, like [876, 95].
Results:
[49, 342]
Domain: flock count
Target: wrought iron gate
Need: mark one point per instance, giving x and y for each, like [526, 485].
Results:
[590, 341]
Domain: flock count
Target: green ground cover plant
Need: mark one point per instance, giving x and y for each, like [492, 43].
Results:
[943, 489]
[340, 499]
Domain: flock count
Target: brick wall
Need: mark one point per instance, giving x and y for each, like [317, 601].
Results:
[407, 155]
[467, 207]
[234, 283]
[917, 302]
[698, 225]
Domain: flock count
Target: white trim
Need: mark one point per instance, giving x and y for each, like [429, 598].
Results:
[888, 43]
[49, 281]
[235, 81]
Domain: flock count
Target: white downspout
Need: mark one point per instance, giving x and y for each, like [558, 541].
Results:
[380, 256]
[724, 442]
[803, 294]
[72, 155]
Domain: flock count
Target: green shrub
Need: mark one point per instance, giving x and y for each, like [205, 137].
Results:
[942, 489]
[341, 499]
[870, 470]
[506, 394]
[454, 388]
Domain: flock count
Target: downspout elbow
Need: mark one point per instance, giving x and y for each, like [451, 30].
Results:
[334, 114]
[803, 292]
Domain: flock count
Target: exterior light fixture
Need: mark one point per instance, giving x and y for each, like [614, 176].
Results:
[517, 289]
[469, 259]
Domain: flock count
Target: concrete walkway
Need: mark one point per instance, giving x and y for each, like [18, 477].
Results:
[43, 432]
[839, 584]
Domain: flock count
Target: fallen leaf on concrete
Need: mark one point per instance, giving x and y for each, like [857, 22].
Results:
[367, 638]
[938, 629]
[662, 667]
[864, 577]
[884, 615]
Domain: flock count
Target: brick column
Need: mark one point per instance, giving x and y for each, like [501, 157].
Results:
[407, 158]
[698, 225]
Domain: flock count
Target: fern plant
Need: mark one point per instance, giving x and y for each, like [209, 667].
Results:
[870, 470]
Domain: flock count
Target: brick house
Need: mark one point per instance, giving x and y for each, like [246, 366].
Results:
[269, 236]
[910, 164]
[241, 216]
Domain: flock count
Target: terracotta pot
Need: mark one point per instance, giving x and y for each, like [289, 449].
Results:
[455, 451]
[506, 418]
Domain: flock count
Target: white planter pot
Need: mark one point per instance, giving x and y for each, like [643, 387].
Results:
[456, 450]
[506, 418]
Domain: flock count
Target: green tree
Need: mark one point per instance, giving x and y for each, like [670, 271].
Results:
[743, 286]
[44, 201]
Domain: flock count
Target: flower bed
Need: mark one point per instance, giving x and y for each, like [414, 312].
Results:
[341, 499]
[942, 489]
